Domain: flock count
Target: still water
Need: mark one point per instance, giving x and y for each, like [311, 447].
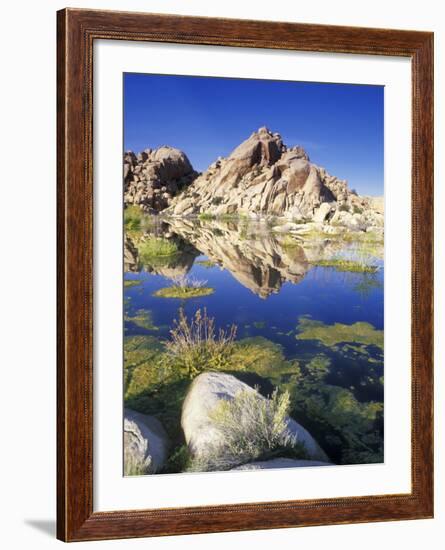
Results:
[272, 287]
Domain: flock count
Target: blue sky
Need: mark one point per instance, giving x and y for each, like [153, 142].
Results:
[339, 125]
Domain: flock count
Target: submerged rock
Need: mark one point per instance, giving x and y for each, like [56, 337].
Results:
[279, 463]
[145, 444]
[202, 434]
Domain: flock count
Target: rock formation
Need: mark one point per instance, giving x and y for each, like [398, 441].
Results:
[145, 444]
[154, 176]
[264, 177]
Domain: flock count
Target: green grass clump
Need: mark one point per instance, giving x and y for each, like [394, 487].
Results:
[329, 335]
[206, 216]
[183, 293]
[156, 247]
[132, 218]
[340, 264]
[196, 346]
[251, 428]
[131, 283]
[184, 287]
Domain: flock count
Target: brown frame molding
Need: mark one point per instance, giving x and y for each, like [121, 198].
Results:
[76, 32]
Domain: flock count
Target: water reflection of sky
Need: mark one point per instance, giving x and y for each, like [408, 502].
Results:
[324, 293]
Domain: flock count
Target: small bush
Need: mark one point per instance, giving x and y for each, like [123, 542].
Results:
[195, 346]
[132, 218]
[357, 210]
[251, 428]
[344, 208]
[184, 286]
[136, 467]
[156, 247]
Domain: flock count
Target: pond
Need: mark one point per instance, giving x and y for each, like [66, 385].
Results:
[306, 310]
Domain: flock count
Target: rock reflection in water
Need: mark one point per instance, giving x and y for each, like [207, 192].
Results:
[259, 259]
[252, 254]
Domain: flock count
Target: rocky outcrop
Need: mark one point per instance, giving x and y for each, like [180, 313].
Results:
[154, 176]
[275, 463]
[264, 177]
[145, 444]
[201, 430]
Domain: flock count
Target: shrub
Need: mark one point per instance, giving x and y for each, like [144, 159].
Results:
[251, 428]
[186, 281]
[132, 218]
[357, 210]
[344, 208]
[134, 466]
[184, 286]
[155, 247]
[195, 346]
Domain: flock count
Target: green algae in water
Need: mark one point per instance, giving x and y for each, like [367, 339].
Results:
[142, 318]
[259, 324]
[329, 335]
[131, 283]
[348, 430]
[340, 264]
[183, 292]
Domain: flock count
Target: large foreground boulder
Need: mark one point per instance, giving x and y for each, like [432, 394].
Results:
[202, 432]
[145, 444]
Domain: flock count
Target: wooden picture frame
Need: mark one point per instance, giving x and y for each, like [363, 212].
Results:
[77, 31]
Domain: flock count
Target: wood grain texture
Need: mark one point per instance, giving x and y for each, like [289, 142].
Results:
[77, 30]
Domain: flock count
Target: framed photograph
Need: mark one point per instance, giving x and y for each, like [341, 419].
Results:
[245, 229]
